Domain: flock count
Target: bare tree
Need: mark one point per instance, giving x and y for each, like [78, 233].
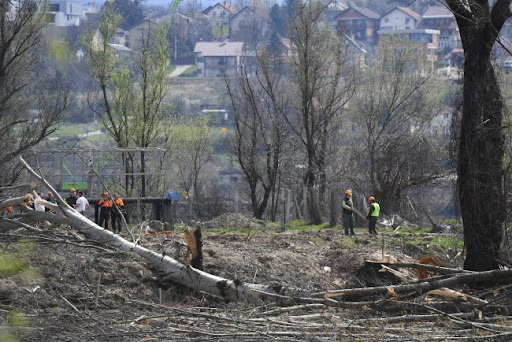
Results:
[133, 96]
[152, 61]
[394, 109]
[259, 101]
[190, 145]
[321, 76]
[116, 87]
[481, 142]
[31, 103]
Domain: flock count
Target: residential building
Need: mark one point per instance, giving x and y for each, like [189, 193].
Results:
[120, 37]
[420, 46]
[120, 50]
[250, 24]
[442, 19]
[63, 12]
[214, 59]
[139, 33]
[398, 19]
[358, 23]
[332, 11]
[220, 14]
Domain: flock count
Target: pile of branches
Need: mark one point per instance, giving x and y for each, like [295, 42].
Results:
[385, 319]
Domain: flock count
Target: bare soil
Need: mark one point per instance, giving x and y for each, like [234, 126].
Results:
[74, 291]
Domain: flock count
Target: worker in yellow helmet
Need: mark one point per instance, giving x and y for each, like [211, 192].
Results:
[348, 216]
[373, 215]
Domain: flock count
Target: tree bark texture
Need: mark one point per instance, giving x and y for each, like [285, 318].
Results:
[480, 156]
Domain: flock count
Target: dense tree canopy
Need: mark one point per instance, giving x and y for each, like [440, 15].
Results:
[129, 10]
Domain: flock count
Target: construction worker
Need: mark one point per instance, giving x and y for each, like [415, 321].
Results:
[105, 206]
[373, 215]
[348, 216]
[115, 215]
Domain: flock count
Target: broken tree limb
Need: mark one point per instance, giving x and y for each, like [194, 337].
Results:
[498, 276]
[444, 292]
[437, 269]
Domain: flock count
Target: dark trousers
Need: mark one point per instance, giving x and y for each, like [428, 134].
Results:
[115, 220]
[348, 222]
[104, 220]
[372, 222]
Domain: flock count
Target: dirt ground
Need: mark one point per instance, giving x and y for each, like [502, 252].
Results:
[71, 291]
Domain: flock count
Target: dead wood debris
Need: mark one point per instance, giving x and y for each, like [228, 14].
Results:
[375, 316]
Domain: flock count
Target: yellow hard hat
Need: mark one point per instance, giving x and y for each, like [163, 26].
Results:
[348, 192]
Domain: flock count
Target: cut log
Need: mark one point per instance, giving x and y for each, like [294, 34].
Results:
[194, 242]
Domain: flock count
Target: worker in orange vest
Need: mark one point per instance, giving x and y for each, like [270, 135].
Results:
[116, 213]
[105, 206]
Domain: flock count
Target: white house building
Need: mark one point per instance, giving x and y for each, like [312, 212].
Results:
[221, 13]
[213, 59]
[442, 19]
[398, 19]
[64, 13]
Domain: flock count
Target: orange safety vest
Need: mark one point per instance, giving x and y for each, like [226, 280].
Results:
[104, 204]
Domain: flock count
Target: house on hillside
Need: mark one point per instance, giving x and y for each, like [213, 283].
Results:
[140, 32]
[332, 11]
[119, 49]
[358, 23]
[220, 14]
[63, 12]
[250, 24]
[214, 59]
[419, 46]
[442, 19]
[398, 19]
[120, 36]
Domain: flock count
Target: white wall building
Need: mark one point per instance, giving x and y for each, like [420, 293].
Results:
[64, 13]
[398, 19]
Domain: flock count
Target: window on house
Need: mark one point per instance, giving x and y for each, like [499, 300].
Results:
[70, 8]
[54, 7]
[69, 17]
[386, 20]
[407, 20]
